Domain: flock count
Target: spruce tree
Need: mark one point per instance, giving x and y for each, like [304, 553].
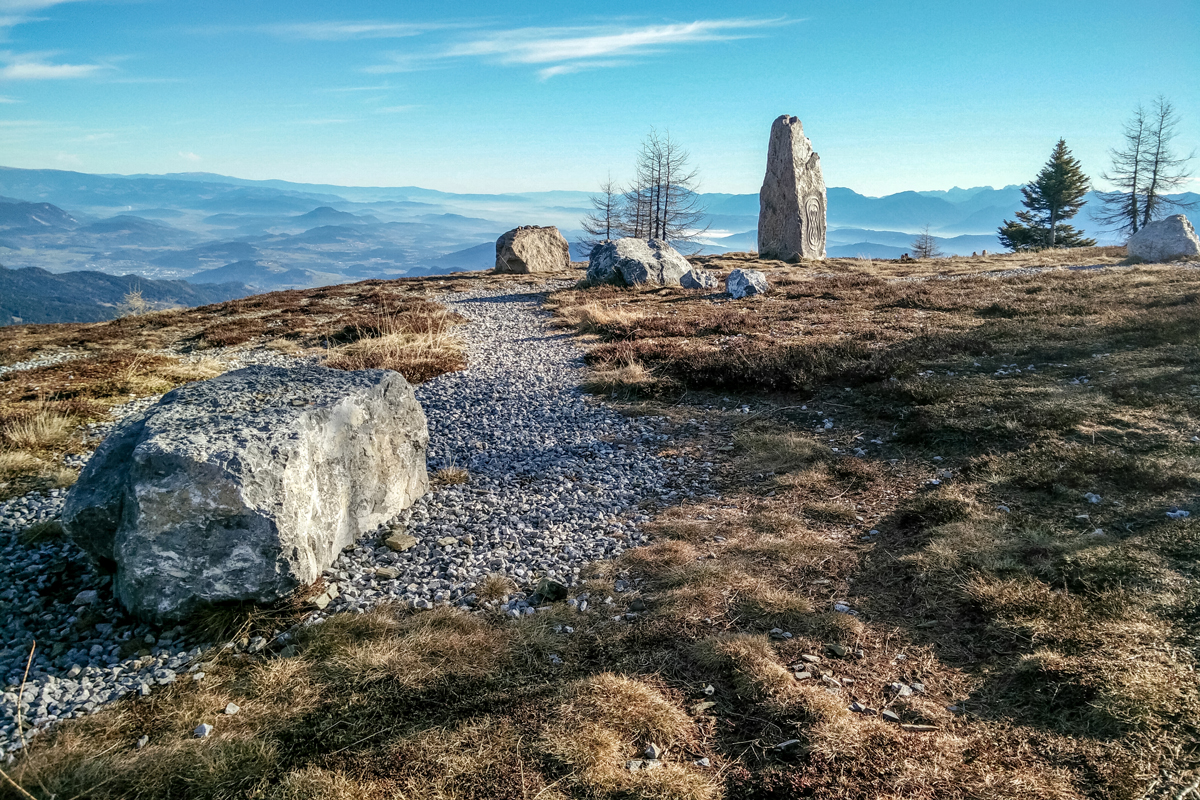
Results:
[1055, 195]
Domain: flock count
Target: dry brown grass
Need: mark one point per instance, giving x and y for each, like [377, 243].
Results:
[894, 268]
[42, 410]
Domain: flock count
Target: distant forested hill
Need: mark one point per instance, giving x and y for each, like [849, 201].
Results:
[36, 296]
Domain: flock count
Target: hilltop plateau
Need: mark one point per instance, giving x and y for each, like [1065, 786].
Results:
[919, 529]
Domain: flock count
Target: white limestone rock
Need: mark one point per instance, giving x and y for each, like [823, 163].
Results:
[699, 279]
[745, 283]
[632, 262]
[247, 486]
[792, 202]
[530, 248]
[1165, 240]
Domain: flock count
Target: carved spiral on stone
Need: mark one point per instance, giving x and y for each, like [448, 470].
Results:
[814, 223]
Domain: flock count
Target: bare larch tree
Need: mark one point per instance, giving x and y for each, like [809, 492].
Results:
[606, 220]
[925, 246]
[1144, 170]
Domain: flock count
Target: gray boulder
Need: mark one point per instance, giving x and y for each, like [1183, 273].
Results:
[1164, 240]
[247, 486]
[791, 203]
[745, 282]
[532, 249]
[632, 262]
[699, 279]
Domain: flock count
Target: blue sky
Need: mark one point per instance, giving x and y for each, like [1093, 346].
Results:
[487, 97]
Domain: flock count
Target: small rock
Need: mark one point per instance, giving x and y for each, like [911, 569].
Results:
[699, 279]
[86, 598]
[551, 590]
[701, 707]
[919, 688]
[653, 763]
[901, 689]
[836, 650]
[634, 765]
[387, 573]
[446, 541]
[1179, 514]
[400, 542]
[232, 708]
[918, 728]
[890, 716]
[653, 751]
[142, 742]
[745, 283]
[702, 762]
[202, 730]
[811, 658]
[788, 745]
[802, 675]
[1092, 498]
[709, 690]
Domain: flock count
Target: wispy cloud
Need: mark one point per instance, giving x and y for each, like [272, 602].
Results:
[337, 89]
[36, 67]
[30, 5]
[393, 109]
[546, 45]
[188, 155]
[334, 31]
[563, 50]
[15, 12]
[325, 121]
[8, 100]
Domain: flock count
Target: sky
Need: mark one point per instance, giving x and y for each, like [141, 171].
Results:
[488, 97]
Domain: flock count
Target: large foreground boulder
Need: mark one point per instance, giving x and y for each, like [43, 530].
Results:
[1164, 240]
[532, 249]
[791, 203]
[631, 262]
[247, 486]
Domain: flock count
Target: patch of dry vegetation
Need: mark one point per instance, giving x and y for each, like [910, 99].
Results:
[947, 265]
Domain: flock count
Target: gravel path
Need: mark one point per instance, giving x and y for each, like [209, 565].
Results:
[556, 480]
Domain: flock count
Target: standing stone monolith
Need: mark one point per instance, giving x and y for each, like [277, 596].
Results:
[792, 203]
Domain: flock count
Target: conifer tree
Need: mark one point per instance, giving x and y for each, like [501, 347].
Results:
[1055, 195]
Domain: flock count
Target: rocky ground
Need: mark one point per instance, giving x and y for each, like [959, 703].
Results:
[553, 480]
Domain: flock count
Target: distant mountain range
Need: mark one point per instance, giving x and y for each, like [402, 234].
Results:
[276, 234]
[33, 295]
